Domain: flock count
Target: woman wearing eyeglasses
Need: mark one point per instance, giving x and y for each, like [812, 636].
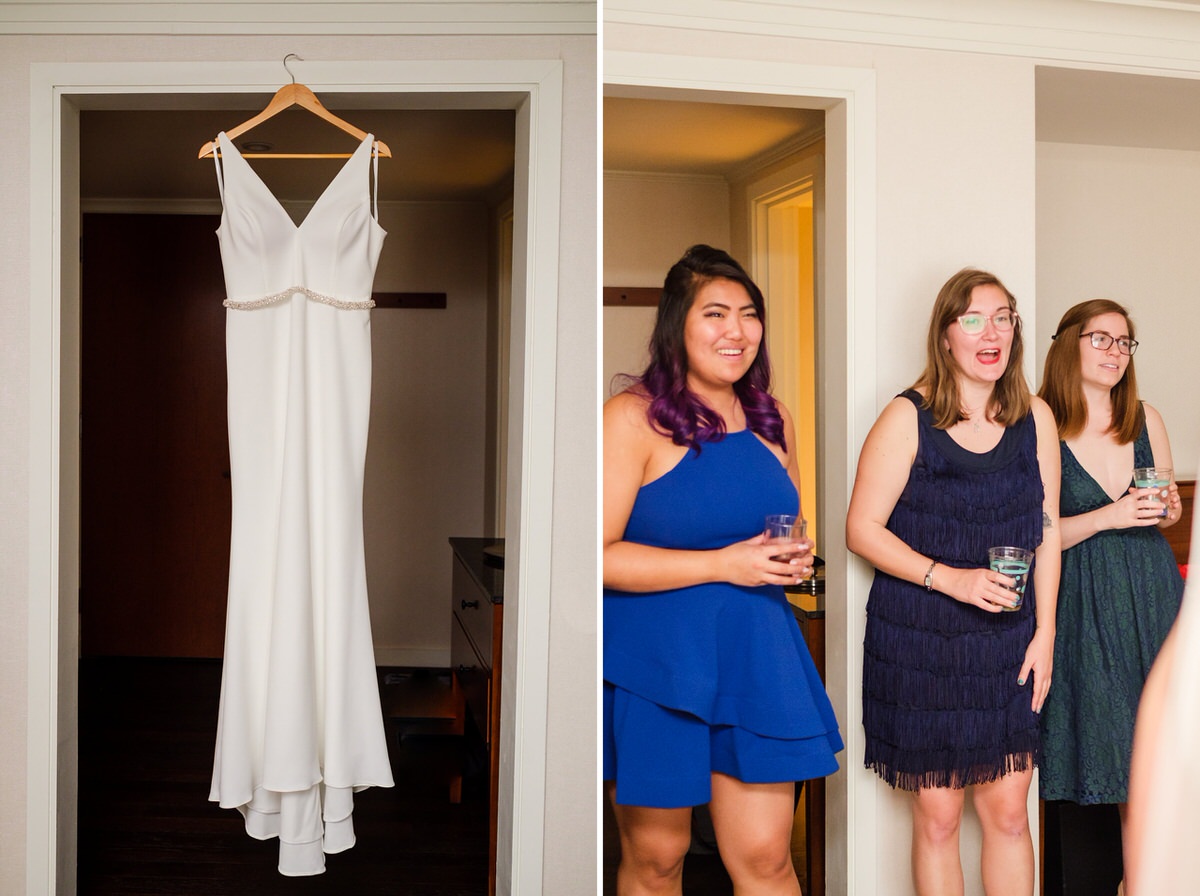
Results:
[964, 460]
[1120, 587]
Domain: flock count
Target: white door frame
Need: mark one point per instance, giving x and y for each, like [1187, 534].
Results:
[846, 378]
[778, 271]
[792, 335]
[533, 87]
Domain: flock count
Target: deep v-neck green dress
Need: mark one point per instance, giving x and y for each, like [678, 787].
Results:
[1119, 593]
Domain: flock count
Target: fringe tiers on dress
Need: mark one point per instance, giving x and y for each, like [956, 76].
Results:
[941, 703]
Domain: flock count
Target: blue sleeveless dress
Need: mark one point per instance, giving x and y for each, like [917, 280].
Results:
[728, 657]
[1118, 597]
[941, 703]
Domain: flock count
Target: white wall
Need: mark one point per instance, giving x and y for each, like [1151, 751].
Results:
[956, 182]
[649, 221]
[566, 858]
[946, 123]
[1121, 223]
[425, 455]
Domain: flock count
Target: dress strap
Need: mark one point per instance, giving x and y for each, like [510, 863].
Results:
[375, 155]
[217, 161]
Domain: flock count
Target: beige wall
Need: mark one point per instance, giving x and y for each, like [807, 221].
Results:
[567, 859]
[946, 123]
[959, 179]
[425, 455]
[1121, 223]
[649, 221]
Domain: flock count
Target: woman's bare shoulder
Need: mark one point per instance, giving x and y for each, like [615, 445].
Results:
[899, 412]
[626, 417]
[1153, 417]
[630, 403]
[1042, 415]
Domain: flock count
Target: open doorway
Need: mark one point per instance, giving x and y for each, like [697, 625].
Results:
[786, 218]
[430, 474]
[846, 273]
[155, 469]
[1118, 170]
[748, 178]
[532, 89]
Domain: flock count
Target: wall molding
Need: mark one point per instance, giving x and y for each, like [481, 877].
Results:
[275, 17]
[808, 143]
[666, 177]
[1156, 35]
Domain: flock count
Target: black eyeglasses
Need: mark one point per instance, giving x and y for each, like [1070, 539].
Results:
[1104, 341]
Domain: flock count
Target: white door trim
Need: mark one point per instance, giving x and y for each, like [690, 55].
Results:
[531, 86]
[278, 17]
[780, 280]
[846, 379]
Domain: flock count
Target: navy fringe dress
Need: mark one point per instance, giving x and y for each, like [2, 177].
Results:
[941, 703]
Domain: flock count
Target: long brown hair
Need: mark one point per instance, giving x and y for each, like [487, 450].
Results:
[1009, 401]
[1062, 377]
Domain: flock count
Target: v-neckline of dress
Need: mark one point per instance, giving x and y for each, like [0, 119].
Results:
[369, 138]
[1096, 482]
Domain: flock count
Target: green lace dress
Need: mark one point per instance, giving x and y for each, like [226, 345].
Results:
[1120, 591]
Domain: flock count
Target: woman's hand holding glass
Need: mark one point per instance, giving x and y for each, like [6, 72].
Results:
[1174, 503]
[1169, 506]
[1142, 507]
[751, 562]
[980, 587]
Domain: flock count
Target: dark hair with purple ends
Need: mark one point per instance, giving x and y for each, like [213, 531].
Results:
[674, 409]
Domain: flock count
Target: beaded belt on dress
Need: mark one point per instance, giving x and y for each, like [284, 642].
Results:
[276, 298]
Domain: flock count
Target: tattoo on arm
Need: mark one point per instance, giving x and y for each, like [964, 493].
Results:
[1047, 523]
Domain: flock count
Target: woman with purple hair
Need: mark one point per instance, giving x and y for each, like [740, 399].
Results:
[710, 695]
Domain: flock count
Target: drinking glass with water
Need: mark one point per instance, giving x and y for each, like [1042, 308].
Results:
[1154, 477]
[1014, 563]
[785, 528]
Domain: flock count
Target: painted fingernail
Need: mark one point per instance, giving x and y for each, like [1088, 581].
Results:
[1021, 681]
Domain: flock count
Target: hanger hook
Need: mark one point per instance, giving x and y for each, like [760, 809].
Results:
[285, 64]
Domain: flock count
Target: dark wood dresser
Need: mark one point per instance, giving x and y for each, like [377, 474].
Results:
[476, 635]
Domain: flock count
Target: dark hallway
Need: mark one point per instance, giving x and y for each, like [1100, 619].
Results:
[147, 728]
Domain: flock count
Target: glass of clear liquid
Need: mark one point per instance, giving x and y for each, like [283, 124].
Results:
[1154, 477]
[785, 528]
[1014, 563]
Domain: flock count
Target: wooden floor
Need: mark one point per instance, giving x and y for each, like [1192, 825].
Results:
[147, 729]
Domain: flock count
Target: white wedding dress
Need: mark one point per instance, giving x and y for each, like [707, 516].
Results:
[300, 728]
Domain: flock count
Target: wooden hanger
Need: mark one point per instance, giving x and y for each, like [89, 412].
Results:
[295, 95]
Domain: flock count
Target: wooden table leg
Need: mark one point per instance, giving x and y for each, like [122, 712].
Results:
[814, 805]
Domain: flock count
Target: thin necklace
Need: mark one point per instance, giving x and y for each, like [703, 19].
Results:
[975, 424]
